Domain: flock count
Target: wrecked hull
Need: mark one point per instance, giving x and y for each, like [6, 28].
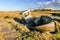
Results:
[50, 27]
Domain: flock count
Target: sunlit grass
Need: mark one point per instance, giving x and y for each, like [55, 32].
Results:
[22, 31]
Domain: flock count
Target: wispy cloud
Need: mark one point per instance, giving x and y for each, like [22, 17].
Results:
[53, 0]
[54, 4]
[44, 3]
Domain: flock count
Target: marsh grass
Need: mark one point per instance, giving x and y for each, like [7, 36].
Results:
[8, 20]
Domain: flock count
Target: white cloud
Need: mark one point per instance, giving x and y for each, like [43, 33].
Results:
[53, 0]
[54, 4]
[44, 3]
[58, 1]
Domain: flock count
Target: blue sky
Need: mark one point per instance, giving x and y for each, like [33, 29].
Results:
[17, 5]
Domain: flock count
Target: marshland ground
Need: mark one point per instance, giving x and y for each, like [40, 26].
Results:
[13, 30]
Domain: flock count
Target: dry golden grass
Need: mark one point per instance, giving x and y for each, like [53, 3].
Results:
[38, 14]
[6, 20]
[9, 14]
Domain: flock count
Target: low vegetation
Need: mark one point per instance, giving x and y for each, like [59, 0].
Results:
[13, 30]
